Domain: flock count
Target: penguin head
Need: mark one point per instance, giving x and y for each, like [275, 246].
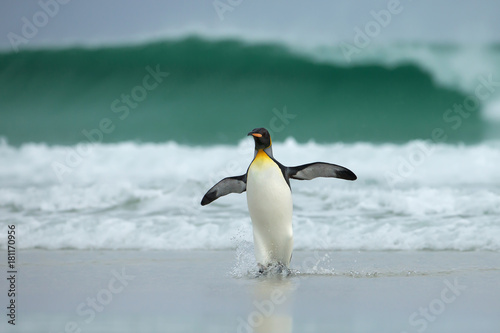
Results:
[261, 137]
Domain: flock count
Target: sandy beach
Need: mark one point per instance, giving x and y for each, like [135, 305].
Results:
[211, 291]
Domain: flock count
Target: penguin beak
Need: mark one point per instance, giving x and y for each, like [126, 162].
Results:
[257, 135]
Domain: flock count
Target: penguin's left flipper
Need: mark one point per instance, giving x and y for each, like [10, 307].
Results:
[320, 169]
[236, 184]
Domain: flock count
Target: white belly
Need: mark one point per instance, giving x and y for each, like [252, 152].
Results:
[270, 205]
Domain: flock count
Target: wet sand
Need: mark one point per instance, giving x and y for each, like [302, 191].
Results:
[210, 291]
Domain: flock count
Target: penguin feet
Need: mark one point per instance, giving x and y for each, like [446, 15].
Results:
[273, 269]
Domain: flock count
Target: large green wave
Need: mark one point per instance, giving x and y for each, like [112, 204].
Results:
[215, 92]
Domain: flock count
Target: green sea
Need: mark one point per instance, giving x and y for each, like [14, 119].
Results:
[208, 91]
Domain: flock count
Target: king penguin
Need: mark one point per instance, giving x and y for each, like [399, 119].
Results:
[269, 198]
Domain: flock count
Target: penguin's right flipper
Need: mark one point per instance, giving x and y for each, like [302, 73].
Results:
[236, 184]
[320, 169]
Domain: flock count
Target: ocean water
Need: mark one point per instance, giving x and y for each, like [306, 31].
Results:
[414, 196]
[208, 91]
[114, 147]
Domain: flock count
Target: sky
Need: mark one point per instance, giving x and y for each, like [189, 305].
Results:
[91, 22]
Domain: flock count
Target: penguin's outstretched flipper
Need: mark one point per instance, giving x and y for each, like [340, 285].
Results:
[319, 169]
[236, 184]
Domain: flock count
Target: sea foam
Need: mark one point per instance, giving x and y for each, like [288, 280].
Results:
[129, 195]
